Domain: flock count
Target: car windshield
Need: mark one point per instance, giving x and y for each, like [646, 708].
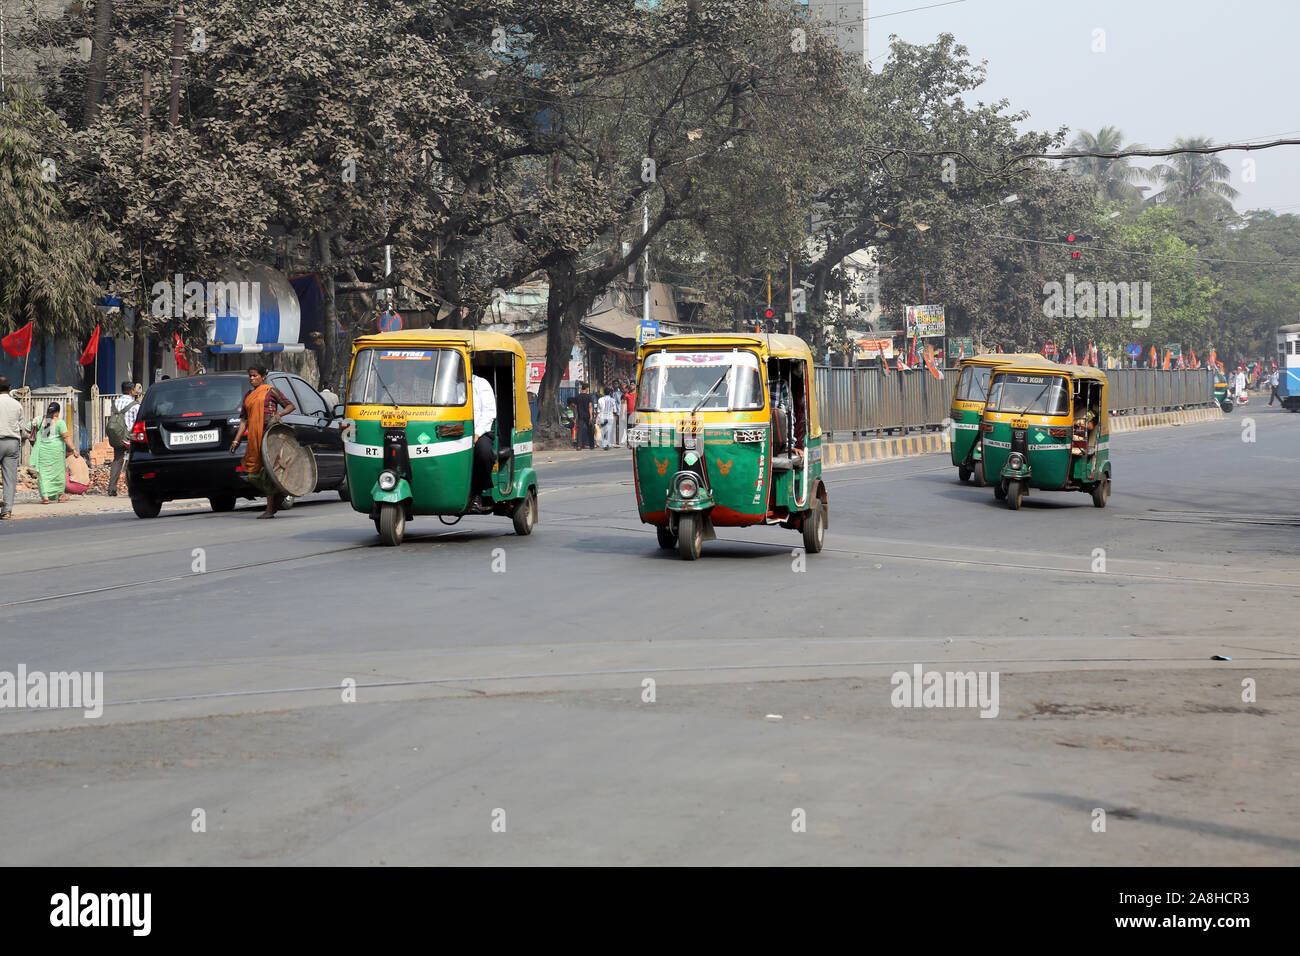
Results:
[678, 381]
[973, 386]
[407, 377]
[195, 396]
[1037, 394]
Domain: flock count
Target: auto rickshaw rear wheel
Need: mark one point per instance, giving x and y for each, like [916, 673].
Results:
[667, 540]
[1100, 492]
[525, 515]
[1000, 491]
[814, 527]
[392, 524]
[690, 536]
[978, 472]
[963, 473]
[1015, 494]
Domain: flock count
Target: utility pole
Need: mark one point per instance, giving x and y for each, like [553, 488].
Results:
[140, 335]
[178, 59]
[645, 262]
[144, 111]
[790, 291]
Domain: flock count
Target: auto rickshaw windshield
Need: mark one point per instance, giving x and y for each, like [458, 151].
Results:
[973, 385]
[407, 377]
[679, 381]
[1029, 394]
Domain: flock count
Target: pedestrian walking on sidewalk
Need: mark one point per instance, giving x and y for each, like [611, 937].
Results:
[11, 445]
[125, 408]
[584, 411]
[608, 418]
[51, 447]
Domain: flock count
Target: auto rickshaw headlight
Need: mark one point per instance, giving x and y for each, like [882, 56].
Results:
[1016, 460]
[687, 487]
[387, 480]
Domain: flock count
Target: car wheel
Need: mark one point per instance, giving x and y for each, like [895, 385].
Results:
[220, 503]
[814, 527]
[667, 540]
[690, 536]
[146, 507]
[525, 516]
[392, 524]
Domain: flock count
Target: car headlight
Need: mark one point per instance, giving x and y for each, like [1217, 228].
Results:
[687, 487]
[387, 480]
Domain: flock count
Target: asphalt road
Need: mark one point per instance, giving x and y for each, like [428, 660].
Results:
[501, 715]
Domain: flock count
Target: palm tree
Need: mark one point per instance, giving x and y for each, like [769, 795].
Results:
[1114, 177]
[1194, 178]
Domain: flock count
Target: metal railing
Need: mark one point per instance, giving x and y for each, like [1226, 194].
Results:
[856, 401]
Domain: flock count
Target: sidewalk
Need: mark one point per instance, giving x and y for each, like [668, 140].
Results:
[28, 505]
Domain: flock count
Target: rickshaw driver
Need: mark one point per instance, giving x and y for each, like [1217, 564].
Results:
[485, 413]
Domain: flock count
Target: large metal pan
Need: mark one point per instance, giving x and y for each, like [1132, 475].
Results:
[290, 466]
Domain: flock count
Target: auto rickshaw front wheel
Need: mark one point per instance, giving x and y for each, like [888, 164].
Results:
[525, 516]
[690, 536]
[1015, 494]
[1100, 492]
[667, 540]
[392, 524]
[978, 472]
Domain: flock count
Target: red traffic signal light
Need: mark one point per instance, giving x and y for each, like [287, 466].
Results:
[1075, 254]
[1070, 238]
[769, 313]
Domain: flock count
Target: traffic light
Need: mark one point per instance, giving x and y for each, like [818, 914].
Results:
[769, 313]
[1071, 238]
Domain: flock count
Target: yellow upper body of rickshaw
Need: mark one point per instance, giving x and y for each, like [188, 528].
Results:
[993, 360]
[1071, 373]
[764, 346]
[468, 343]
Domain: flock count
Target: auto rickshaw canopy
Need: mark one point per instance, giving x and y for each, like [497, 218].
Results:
[766, 346]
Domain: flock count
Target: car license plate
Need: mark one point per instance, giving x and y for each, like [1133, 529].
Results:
[192, 438]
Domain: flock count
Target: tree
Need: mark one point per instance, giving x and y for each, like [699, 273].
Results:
[1114, 178]
[1193, 180]
[47, 261]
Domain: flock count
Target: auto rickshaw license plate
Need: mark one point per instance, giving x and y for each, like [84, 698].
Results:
[395, 418]
[1020, 423]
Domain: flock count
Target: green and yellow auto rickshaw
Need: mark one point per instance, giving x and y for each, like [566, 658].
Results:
[410, 435]
[968, 398]
[1047, 428]
[1221, 395]
[727, 435]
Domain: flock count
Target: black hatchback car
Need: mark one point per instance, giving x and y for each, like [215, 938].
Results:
[180, 444]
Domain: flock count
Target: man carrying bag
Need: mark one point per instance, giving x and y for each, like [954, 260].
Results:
[125, 407]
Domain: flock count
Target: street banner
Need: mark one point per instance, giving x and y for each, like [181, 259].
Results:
[647, 330]
[925, 321]
[869, 348]
[960, 347]
[18, 343]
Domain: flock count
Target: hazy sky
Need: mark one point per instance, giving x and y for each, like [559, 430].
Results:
[1230, 71]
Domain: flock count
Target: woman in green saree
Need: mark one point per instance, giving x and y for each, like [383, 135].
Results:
[51, 444]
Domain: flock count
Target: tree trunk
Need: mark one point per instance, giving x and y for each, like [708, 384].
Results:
[98, 68]
[562, 320]
[331, 372]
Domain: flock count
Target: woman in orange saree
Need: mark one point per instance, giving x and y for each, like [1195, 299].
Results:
[263, 406]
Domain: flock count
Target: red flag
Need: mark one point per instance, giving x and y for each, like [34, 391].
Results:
[91, 350]
[18, 343]
[929, 362]
[1214, 359]
[182, 363]
[1154, 357]
[884, 362]
[900, 361]
[999, 349]
[1168, 358]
